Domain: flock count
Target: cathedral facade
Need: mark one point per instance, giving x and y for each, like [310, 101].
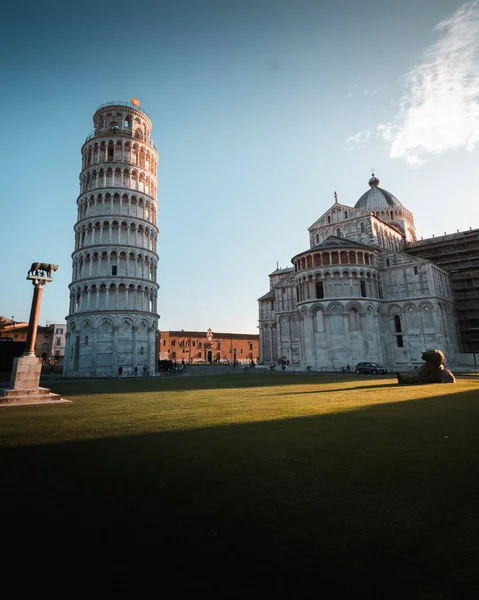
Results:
[113, 320]
[356, 294]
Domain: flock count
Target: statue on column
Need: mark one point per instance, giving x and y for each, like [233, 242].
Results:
[26, 371]
[431, 371]
[41, 270]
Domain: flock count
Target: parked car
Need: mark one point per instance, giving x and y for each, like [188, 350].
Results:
[370, 367]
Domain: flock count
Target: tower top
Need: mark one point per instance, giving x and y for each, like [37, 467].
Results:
[131, 105]
[123, 119]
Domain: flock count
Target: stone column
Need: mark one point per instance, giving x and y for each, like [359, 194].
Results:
[347, 336]
[33, 322]
[115, 350]
[94, 336]
[261, 342]
[327, 334]
[151, 363]
[134, 353]
[309, 340]
[272, 357]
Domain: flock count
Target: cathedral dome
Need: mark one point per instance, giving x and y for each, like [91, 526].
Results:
[376, 198]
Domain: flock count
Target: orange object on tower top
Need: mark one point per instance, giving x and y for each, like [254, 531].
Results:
[135, 102]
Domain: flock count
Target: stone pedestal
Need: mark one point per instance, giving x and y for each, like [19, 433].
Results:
[26, 372]
[24, 388]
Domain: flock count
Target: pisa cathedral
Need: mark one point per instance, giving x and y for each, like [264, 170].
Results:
[113, 318]
[357, 295]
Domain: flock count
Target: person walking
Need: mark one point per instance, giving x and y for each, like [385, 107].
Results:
[120, 371]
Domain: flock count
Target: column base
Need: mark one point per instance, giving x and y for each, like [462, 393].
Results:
[26, 372]
[39, 395]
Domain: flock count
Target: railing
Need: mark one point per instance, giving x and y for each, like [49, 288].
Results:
[119, 103]
[127, 374]
[123, 133]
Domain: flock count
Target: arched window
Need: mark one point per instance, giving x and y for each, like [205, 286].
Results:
[345, 214]
[319, 289]
[363, 288]
[362, 228]
[329, 219]
[398, 328]
[339, 233]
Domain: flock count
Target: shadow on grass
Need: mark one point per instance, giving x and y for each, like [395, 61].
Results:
[381, 502]
[345, 389]
[207, 382]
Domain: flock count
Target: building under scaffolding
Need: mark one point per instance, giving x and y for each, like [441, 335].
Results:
[459, 254]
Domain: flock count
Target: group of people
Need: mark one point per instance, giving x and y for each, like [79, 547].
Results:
[145, 371]
[284, 364]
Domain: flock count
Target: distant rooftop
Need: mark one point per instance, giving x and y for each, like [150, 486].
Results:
[268, 296]
[280, 270]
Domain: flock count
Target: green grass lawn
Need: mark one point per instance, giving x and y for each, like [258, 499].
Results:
[251, 485]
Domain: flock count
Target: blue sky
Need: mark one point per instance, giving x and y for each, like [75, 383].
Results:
[261, 110]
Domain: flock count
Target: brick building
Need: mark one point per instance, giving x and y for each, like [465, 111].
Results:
[206, 346]
[18, 332]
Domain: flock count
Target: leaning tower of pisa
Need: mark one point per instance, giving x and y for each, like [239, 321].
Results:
[113, 320]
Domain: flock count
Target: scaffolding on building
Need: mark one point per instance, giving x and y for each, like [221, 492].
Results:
[458, 253]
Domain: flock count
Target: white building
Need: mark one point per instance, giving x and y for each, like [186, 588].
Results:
[58, 341]
[113, 318]
[356, 295]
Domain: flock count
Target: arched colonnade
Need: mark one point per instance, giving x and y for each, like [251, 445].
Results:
[114, 262]
[128, 205]
[124, 233]
[120, 150]
[113, 296]
[118, 177]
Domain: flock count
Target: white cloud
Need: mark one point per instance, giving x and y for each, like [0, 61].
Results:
[440, 109]
[359, 139]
